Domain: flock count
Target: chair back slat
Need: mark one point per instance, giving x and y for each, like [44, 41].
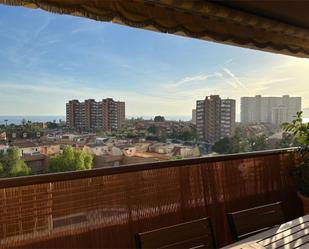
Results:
[192, 234]
[247, 222]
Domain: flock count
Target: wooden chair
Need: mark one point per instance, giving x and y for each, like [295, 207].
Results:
[193, 234]
[248, 222]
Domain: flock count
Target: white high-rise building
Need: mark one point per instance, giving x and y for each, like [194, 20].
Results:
[194, 116]
[274, 110]
[279, 115]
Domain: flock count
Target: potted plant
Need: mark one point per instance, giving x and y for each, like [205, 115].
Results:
[300, 172]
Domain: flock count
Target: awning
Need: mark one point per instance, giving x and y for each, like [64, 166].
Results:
[275, 26]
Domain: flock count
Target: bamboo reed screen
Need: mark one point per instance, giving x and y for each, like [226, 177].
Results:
[106, 210]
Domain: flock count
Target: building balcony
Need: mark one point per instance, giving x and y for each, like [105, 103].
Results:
[104, 208]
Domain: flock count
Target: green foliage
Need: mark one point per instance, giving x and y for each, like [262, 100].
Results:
[159, 119]
[69, 160]
[172, 158]
[52, 125]
[12, 165]
[222, 146]
[88, 161]
[162, 138]
[132, 134]
[185, 135]
[23, 121]
[300, 132]
[230, 145]
[152, 138]
[286, 141]
[1, 169]
[257, 142]
[152, 129]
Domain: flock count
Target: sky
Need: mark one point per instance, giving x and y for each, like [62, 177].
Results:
[47, 59]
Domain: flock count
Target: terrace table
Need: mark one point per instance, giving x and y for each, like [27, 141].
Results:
[293, 234]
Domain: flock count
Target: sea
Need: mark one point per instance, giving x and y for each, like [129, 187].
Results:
[18, 119]
[175, 118]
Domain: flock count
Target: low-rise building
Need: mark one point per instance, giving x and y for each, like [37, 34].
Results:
[2, 136]
[162, 148]
[142, 147]
[102, 149]
[27, 147]
[50, 148]
[186, 151]
[96, 149]
[3, 148]
[38, 163]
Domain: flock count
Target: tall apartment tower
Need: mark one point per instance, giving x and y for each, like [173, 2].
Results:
[274, 110]
[73, 113]
[90, 115]
[194, 116]
[215, 118]
[228, 110]
[113, 114]
[121, 114]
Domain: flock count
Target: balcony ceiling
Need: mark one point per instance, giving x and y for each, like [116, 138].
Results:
[290, 12]
[275, 26]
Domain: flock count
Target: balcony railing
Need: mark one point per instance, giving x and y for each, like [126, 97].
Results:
[106, 207]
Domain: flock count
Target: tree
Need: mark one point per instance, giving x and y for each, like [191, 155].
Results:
[172, 158]
[230, 145]
[152, 138]
[300, 172]
[52, 125]
[286, 141]
[132, 134]
[257, 142]
[11, 164]
[187, 135]
[159, 119]
[299, 130]
[222, 146]
[152, 129]
[70, 159]
[238, 144]
[23, 122]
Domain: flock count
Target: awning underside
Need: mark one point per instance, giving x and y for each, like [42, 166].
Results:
[198, 19]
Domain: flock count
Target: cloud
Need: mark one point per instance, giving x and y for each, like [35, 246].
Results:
[48, 94]
[232, 83]
[50, 98]
[199, 77]
[226, 76]
[267, 83]
[45, 65]
[40, 29]
[233, 76]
